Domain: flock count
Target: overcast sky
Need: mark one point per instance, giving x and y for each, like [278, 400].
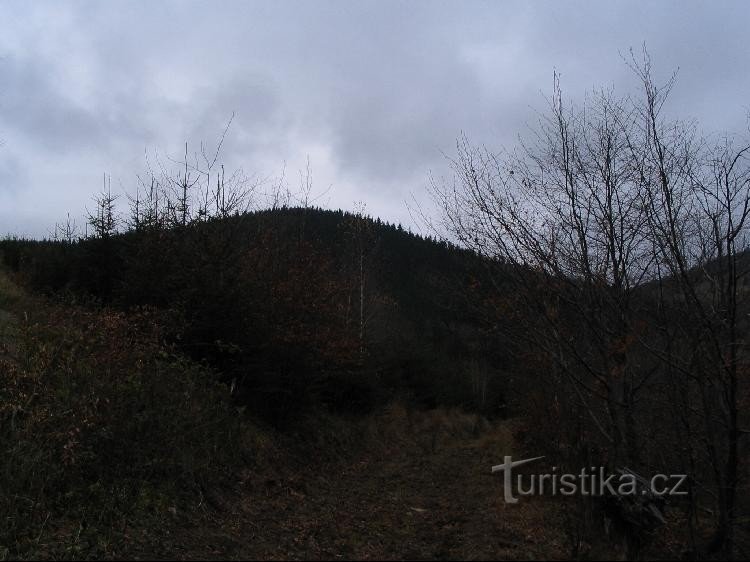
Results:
[373, 92]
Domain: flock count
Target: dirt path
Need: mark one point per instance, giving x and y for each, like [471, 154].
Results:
[400, 503]
[436, 506]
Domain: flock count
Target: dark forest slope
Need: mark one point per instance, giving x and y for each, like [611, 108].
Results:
[296, 306]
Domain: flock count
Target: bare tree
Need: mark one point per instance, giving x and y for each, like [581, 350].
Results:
[699, 204]
[618, 239]
[104, 220]
[66, 231]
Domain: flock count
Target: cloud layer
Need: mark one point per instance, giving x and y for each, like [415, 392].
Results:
[373, 92]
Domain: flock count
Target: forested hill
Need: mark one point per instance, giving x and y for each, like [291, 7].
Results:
[296, 306]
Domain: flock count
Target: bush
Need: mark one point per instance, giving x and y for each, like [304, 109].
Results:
[100, 422]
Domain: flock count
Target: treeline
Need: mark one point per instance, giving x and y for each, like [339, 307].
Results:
[295, 307]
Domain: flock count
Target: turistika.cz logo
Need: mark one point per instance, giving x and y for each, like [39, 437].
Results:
[592, 481]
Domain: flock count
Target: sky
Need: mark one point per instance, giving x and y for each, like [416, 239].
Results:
[374, 94]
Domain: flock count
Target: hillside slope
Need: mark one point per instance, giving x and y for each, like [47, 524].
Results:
[291, 304]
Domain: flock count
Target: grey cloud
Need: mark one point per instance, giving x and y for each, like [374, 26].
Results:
[35, 106]
[254, 101]
[382, 88]
[31, 105]
[12, 174]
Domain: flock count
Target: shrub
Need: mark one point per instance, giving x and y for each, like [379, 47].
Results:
[100, 422]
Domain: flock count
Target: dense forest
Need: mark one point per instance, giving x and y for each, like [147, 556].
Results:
[297, 306]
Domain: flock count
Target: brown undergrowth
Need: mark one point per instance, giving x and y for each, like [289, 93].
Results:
[115, 446]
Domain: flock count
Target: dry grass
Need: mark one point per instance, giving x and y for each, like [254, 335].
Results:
[404, 484]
